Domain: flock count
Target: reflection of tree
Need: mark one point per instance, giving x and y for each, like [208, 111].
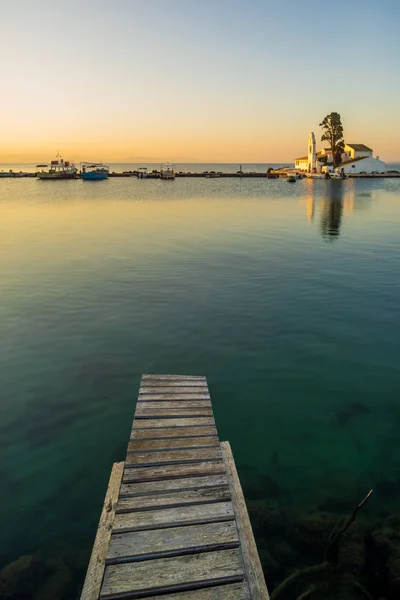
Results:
[332, 210]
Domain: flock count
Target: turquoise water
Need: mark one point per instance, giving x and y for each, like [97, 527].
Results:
[285, 296]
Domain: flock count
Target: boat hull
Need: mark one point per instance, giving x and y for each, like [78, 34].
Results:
[94, 176]
[54, 176]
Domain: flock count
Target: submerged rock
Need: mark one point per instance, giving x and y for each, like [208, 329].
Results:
[284, 554]
[386, 551]
[20, 578]
[266, 520]
[352, 551]
[59, 584]
[312, 531]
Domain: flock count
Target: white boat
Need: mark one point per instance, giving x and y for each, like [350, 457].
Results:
[338, 175]
[58, 169]
[315, 175]
[167, 171]
[142, 173]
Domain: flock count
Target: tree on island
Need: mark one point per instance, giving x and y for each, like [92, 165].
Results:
[333, 133]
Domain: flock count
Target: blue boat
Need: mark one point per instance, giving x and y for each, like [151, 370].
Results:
[94, 171]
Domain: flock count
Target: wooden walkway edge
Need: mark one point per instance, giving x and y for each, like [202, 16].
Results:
[174, 525]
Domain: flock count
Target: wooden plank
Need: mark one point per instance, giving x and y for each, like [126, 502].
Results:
[140, 445]
[170, 574]
[149, 543]
[176, 498]
[134, 474]
[149, 377]
[186, 397]
[164, 404]
[177, 432]
[186, 483]
[147, 412]
[167, 517]
[95, 572]
[158, 423]
[251, 559]
[231, 591]
[173, 456]
[176, 383]
[173, 390]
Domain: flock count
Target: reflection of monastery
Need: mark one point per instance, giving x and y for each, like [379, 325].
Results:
[356, 158]
[333, 204]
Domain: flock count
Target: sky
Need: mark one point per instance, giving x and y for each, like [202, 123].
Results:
[195, 80]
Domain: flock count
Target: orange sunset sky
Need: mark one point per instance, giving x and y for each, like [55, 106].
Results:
[186, 81]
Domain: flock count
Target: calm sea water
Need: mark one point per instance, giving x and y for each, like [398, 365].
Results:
[285, 296]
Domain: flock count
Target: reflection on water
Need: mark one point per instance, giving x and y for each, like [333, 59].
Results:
[334, 199]
[219, 277]
[332, 210]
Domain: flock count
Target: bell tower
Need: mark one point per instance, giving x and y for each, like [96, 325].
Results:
[312, 153]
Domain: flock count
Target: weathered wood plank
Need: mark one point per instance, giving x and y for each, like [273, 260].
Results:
[160, 445]
[177, 498]
[147, 412]
[251, 560]
[175, 397]
[164, 404]
[230, 591]
[172, 456]
[95, 572]
[177, 432]
[148, 377]
[164, 517]
[173, 539]
[166, 485]
[172, 390]
[171, 573]
[154, 383]
[158, 423]
[134, 474]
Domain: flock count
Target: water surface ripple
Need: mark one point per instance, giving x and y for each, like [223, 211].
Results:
[285, 296]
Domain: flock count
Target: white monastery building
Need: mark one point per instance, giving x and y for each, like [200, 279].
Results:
[356, 158]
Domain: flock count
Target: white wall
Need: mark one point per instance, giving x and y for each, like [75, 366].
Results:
[368, 165]
[301, 164]
[356, 153]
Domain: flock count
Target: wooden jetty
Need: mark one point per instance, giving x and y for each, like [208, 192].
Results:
[174, 525]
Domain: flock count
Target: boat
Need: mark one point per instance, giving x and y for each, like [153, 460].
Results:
[213, 175]
[94, 171]
[291, 179]
[59, 169]
[315, 175]
[142, 173]
[167, 171]
[338, 175]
